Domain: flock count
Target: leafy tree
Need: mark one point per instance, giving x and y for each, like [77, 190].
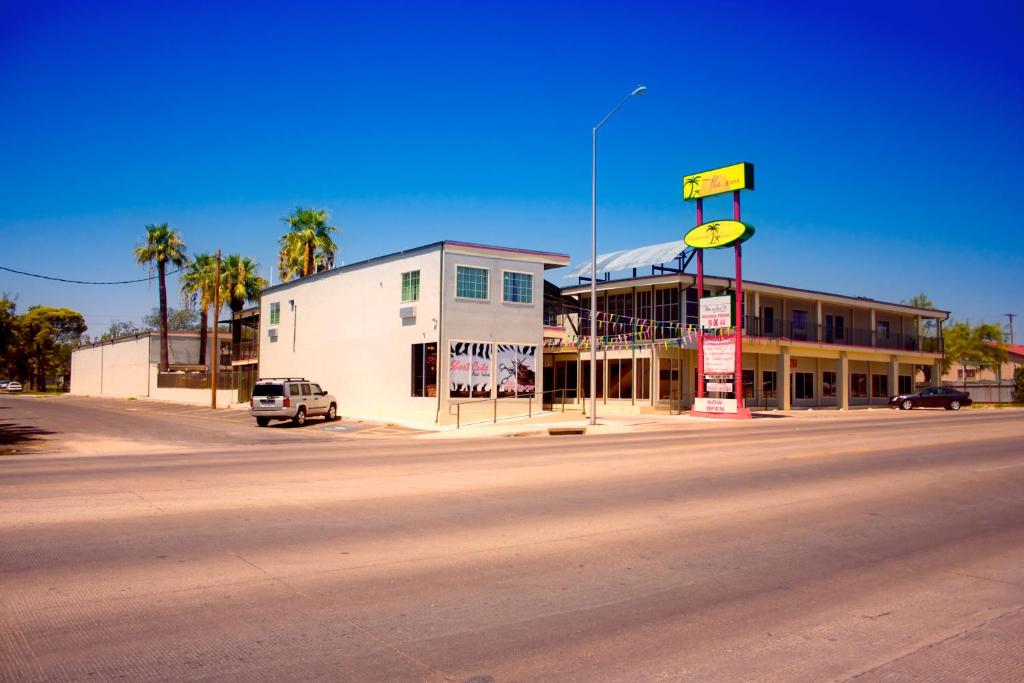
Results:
[978, 345]
[8, 334]
[924, 326]
[307, 247]
[240, 281]
[178, 319]
[1018, 384]
[163, 246]
[198, 288]
[47, 336]
[120, 328]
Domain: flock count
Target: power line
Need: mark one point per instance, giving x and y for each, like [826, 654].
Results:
[87, 282]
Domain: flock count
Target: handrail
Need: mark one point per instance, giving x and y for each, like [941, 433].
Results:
[527, 395]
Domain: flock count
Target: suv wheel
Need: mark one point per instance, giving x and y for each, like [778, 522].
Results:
[262, 421]
[906, 405]
[332, 414]
[300, 417]
[954, 405]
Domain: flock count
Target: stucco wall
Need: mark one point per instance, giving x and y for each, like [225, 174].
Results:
[493, 320]
[120, 368]
[344, 332]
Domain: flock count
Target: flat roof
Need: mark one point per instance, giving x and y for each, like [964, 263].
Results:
[548, 258]
[672, 277]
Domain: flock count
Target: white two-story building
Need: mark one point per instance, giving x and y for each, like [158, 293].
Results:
[410, 335]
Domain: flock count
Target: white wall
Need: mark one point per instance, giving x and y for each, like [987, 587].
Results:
[345, 333]
[119, 368]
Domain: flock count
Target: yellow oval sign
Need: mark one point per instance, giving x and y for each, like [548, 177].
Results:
[717, 234]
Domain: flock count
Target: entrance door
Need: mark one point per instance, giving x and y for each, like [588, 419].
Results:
[669, 381]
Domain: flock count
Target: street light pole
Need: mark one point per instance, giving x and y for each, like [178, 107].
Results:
[639, 90]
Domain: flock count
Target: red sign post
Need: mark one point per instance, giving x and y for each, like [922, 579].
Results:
[716, 235]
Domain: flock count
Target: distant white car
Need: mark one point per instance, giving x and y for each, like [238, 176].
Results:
[13, 387]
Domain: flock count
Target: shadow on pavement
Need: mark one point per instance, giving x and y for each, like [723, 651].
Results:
[12, 435]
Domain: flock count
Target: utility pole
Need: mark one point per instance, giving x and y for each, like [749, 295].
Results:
[1011, 316]
[215, 356]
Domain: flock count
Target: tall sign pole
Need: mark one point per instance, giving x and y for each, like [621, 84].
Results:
[700, 293]
[720, 322]
[215, 356]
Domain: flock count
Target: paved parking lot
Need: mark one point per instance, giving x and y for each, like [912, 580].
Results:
[875, 547]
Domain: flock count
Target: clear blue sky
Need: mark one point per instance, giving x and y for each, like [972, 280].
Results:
[887, 137]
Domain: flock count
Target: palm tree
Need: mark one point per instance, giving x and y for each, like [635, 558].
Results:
[240, 281]
[163, 246]
[198, 287]
[307, 247]
[692, 184]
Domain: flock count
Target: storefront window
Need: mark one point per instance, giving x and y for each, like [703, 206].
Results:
[804, 384]
[906, 384]
[879, 386]
[469, 374]
[642, 381]
[620, 378]
[858, 385]
[828, 383]
[517, 370]
[768, 378]
[424, 369]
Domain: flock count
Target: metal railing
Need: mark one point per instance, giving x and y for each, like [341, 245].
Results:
[242, 380]
[246, 350]
[561, 393]
[844, 336]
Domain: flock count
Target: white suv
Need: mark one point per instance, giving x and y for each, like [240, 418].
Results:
[290, 398]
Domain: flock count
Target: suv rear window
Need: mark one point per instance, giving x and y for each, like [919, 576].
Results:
[268, 390]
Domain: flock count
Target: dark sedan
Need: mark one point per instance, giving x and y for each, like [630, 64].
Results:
[932, 397]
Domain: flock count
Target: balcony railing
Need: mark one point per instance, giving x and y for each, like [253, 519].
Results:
[247, 350]
[846, 336]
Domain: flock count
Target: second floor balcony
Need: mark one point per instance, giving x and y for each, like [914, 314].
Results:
[846, 336]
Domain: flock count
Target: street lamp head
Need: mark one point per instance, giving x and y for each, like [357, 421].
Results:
[640, 90]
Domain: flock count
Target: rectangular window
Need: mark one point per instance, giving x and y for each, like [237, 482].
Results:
[600, 379]
[517, 288]
[768, 383]
[800, 324]
[643, 304]
[828, 383]
[879, 385]
[470, 370]
[411, 286]
[882, 329]
[692, 307]
[768, 320]
[643, 378]
[666, 309]
[275, 313]
[517, 370]
[424, 369]
[748, 384]
[803, 385]
[471, 283]
[620, 378]
[906, 384]
[834, 328]
[858, 385]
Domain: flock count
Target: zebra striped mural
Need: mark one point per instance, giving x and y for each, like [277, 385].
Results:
[469, 374]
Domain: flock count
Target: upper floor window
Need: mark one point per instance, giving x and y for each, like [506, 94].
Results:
[517, 288]
[275, 313]
[471, 283]
[411, 286]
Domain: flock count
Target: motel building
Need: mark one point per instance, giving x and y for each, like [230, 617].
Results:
[444, 332]
[801, 348]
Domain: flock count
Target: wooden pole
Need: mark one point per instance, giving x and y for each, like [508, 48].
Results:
[215, 355]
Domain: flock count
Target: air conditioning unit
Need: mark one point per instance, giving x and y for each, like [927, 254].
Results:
[407, 312]
[272, 333]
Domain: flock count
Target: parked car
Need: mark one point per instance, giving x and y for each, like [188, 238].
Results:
[932, 397]
[290, 398]
[4, 383]
[13, 387]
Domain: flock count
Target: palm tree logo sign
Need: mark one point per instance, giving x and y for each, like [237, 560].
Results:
[712, 231]
[691, 188]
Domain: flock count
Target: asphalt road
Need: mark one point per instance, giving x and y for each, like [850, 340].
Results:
[880, 546]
